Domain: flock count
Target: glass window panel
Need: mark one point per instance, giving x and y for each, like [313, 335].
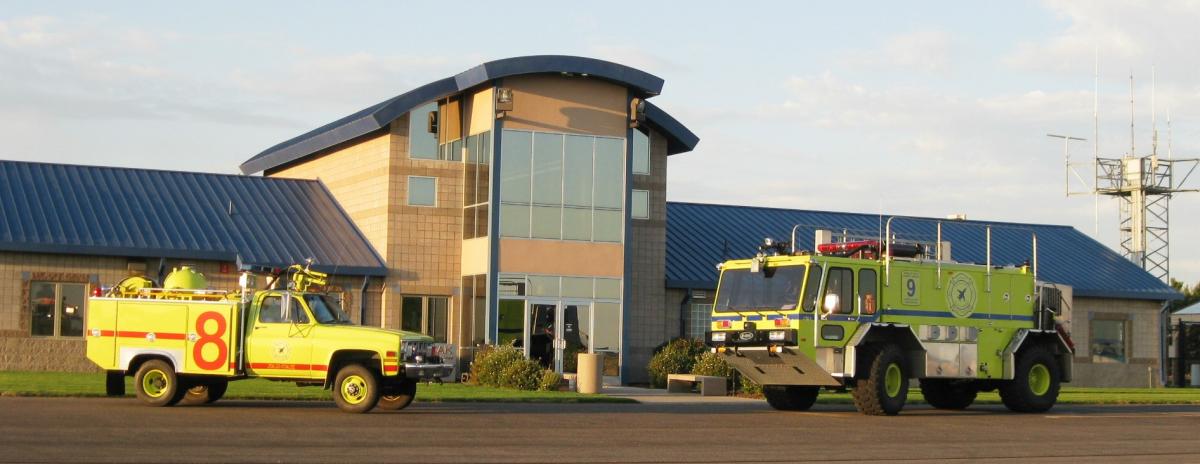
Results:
[456, 150]
[481, 220]
[607, 226]
[641, 152]
[483, 180]
[410, 314]
[547, 168]
[606, 336]
[577, 287]
[512, 285]
[437, 319]
[640, 209]
[469, 223]
[512, 323]
[41, 303]
[610, 173]
[1108, 341]
[470, 184]
[72, 302]
[485, 148]
[547, 222]
[421, 143]
[515, 168]
[608, 288]
[514, 220]
[422, 191]
[866, 290]
[576, 334]
[543, 286]
[577, 172]
[577, 223]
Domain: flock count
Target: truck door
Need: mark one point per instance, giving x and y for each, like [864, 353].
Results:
[278, 343]
[838, 311]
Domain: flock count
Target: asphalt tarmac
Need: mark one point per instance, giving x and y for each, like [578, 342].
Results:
[123, 430]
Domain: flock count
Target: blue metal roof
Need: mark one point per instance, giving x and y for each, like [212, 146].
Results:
[378, 116]
[699, 236]
[56, 208]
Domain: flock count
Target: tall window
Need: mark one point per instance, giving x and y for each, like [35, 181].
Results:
[422, 132]
[476, 185]
[425, 314]
[562, 187]
[698, 320]
[57, 309]
[640, 208]
[641, 152]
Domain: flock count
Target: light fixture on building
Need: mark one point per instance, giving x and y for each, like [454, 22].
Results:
[637, 112]
[504, 101]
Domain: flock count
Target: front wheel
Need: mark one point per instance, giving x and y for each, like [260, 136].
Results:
[399, 395]
[157, 384]
[791, 397]
[885, 388]
[1034, 387]
[356, 389]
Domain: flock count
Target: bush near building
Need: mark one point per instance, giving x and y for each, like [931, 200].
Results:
[506, 367]
[677, 356]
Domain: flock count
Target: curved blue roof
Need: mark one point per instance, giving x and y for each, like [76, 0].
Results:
[699, 236]
[106, 211]
[378, 116]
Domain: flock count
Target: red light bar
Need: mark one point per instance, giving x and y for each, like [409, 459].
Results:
[847, 248]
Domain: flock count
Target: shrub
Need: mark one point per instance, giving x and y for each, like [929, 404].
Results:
[490, 362]
[748, 387]
[550, 380]
[525, 374]
[709, 363]
[676, 357]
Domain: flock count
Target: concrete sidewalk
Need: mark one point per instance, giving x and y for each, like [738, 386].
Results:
[659, 395]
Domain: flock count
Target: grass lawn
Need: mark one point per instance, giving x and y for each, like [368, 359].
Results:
[66, 384]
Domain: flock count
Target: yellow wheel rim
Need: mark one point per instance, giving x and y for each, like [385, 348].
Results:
[891, 380]
[155, 383]
[1039, 379]
[354, 389]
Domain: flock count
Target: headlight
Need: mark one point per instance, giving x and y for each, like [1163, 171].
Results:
[777, 335]
[718, 336]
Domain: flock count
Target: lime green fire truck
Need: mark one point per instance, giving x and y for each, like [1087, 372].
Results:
[868, 315]
[184, 343]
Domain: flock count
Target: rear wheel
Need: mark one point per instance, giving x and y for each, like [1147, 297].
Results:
[398, 395]
[1034, 387]
[885, 388]
[206, 392]
[791, 397]
[356, 389]
[948, 394]
[114, 383]
[157, 384]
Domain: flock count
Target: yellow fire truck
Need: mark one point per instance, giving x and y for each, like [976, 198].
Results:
[183, 342]
[869, 314]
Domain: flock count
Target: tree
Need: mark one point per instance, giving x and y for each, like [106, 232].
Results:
[1191, 295]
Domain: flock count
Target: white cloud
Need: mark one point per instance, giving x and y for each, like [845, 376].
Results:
[926, 51]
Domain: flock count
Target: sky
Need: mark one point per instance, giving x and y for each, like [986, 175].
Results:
[906, 108]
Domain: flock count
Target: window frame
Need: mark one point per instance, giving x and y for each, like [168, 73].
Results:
[413, 119]
[57, 316]
[633, 200]
[634, 155]
[425, 323]
[1126, 341]
[409, 196]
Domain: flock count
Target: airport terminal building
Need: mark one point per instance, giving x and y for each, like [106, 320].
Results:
[522, 197]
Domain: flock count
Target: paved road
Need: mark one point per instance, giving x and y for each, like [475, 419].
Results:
[112, 430]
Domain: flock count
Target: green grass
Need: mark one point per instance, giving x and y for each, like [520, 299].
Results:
[92, 385]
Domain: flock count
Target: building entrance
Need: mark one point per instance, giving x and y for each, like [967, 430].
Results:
[556, 331]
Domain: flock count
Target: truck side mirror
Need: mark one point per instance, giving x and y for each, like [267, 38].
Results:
[832, 304]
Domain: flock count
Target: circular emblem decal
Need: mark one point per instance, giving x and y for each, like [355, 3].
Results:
[282, 351]
[961, 295]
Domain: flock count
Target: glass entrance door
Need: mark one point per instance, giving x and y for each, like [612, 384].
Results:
[556, 331]
[540, 333]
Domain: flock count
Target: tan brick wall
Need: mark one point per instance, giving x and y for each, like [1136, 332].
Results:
[653, 319]
[1143, 339]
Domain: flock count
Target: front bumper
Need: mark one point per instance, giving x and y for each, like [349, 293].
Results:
[419, 371]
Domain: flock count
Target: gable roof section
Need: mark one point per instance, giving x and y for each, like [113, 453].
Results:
[377, 116]
[699, 236]
[56, 208]
[1188, 311]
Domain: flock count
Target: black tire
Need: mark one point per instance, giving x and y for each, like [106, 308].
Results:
[872, 393]
[206, 392]
[1035, 385]
[114, 383]
[791, 397]
[356, 389]
[398, 395]
[157, 384]
[948, 394]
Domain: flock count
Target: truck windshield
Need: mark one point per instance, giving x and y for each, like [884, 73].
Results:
[774, 288]
[326, 309]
